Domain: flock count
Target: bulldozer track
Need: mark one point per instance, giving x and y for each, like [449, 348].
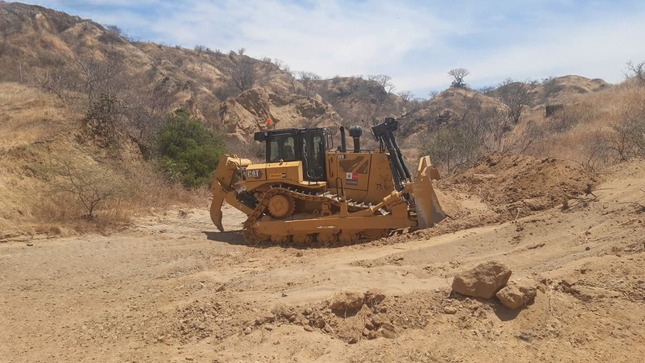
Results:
[333, 199]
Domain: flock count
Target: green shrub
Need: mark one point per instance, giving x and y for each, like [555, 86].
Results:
[188, 151]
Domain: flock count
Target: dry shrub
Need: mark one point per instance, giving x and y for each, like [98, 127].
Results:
[60, 215]
[148, 189]
[596, 130]
[139, 189]
[81, 196]
[570, 115]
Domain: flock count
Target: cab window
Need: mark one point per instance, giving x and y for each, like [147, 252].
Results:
[281, 147]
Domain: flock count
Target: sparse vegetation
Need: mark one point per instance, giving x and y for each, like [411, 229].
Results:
[243, 76]
[476, 131]
[628, 141]
[515, 95]
[384, 81]
[99, 152]
[308, 79]
[90, 185]
[636, 71]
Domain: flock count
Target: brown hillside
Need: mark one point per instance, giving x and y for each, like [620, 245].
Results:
[145, 277]
[38, 43]
[448, 109]
[46, 50]
[560, 89]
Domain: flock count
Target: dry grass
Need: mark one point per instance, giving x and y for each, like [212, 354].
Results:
[28, 116]
[143, 192]
[584, 130]
[39, 136]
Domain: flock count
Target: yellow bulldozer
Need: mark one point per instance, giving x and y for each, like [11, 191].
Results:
[307, 192]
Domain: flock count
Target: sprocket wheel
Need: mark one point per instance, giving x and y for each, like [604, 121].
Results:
[281, 206]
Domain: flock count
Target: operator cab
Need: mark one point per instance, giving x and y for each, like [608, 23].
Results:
[306, 145]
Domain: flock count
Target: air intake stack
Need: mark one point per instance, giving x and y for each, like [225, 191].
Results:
[356, 132]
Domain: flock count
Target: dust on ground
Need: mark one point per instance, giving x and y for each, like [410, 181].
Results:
[172, 289]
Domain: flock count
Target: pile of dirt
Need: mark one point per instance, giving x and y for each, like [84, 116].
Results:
[348, 315]
[518, 185]
[503, 187]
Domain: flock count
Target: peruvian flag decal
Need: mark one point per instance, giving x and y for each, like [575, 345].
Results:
[351, 178]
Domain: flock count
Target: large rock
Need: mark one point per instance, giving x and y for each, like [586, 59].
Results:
[517, 294]
[482, 281]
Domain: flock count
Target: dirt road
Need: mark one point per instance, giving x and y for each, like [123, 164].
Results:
[171, 289]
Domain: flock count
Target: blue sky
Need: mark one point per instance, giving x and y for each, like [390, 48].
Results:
[415, 42]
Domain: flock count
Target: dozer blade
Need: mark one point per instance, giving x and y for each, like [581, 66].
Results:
[216, 210]
[428, 209]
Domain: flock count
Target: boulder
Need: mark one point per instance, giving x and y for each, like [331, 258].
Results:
[517, 294]
[482, 281]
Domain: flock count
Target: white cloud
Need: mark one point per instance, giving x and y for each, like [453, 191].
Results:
[414, 42]
[597, 50]
[322, 37]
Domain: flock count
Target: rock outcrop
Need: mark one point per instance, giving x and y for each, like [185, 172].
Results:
[483, 281]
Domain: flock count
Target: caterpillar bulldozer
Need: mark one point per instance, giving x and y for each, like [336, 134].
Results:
[308, 193]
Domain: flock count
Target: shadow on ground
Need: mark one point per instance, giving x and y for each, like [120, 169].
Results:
[232, 237]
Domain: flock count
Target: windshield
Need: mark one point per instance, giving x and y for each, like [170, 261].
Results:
[281, 147]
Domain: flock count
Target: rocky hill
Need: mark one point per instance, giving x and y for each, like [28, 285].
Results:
[232, 92]
[229, 91]
[75, 91]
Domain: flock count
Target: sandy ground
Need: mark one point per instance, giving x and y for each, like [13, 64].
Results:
[171, 289]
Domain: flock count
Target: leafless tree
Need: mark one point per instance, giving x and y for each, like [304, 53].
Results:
[282, 65]
[308, 81]
[102, 78]
[59, 81]
[628, 140]
[458, 75]
[293, 81]
[112, 100]
[90, 186]
[636, 71]
[406, 96]
[516, 96]
[597, 152]
[243, 76]
[384, 81]
[474, 132]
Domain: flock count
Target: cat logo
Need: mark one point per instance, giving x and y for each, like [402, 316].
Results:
[257, 174]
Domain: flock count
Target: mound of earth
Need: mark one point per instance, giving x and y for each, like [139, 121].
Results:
[503, 187]
[518, 185]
